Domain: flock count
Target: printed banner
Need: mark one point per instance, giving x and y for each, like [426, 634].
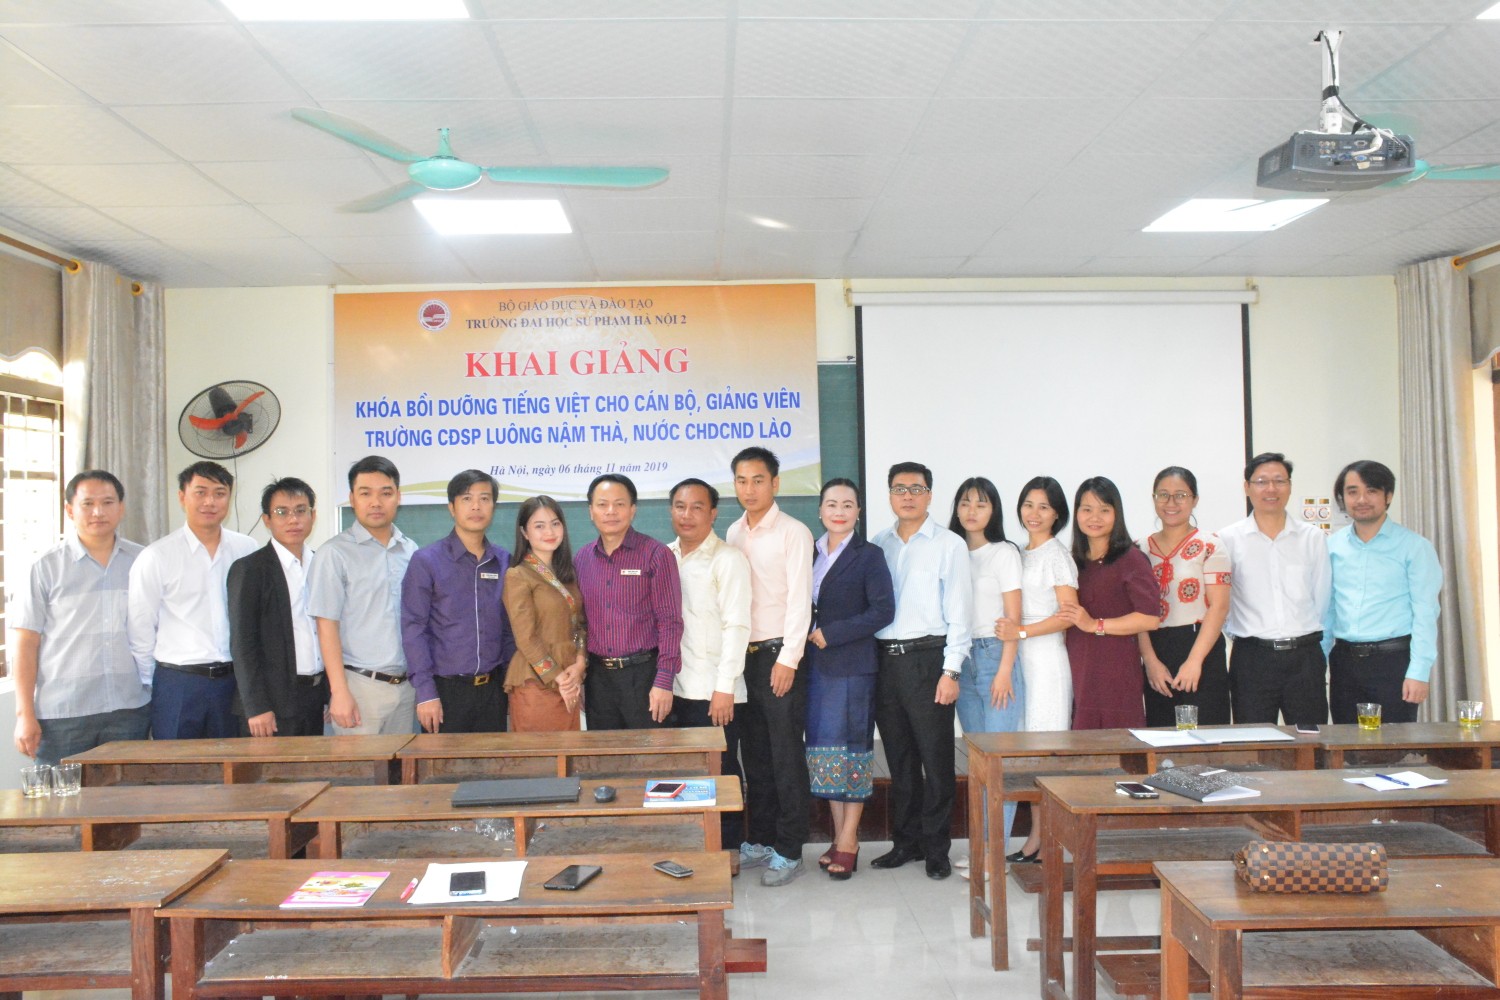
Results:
[547, 388]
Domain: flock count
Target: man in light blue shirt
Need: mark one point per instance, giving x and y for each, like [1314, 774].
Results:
[921, 655]
[1382, 618]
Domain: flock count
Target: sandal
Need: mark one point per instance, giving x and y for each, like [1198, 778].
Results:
[827, 857]
[846, 863]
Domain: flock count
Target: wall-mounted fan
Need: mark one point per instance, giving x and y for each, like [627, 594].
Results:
[443, 171]
[229, 419]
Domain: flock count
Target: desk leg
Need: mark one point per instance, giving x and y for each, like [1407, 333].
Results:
[978, 848]
[1174, 957]
[147, 975]
[1081, 836]
[187, 956]
[1492, 829]
[712, 983]
[1050, 905]
[713, 833]
[1229, 971]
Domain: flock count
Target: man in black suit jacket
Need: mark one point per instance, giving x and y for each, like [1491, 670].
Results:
[277, 667]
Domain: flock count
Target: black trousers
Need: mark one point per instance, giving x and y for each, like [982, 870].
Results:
[778, 795]
[692, 713]
[307, 717]
[918, 737]
[470, 709]
[1377, 676]
[1264, 682]
[1172, 646]
[620, 699]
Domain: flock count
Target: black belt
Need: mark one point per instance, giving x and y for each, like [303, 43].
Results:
[621, 662]
[900, 647]
[200, 669]
[467, 680]
[766, 646]
[310, 680]
[1395, 645]
[1283, 645]
[376, 675]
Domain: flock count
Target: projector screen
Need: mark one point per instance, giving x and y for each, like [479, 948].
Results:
[1064, 390]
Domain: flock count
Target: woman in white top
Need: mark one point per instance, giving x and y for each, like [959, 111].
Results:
[990, 689]
[1049, 579]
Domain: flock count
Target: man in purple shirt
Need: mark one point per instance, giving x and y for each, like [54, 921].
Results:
[454, 629]
[633, 602]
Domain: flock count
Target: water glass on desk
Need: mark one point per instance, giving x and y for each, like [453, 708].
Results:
[67, 779]
[1470, 714]
[1187, 716]
[1368, 714]
[36, 782]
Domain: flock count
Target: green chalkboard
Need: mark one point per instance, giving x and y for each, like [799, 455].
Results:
[838, 427]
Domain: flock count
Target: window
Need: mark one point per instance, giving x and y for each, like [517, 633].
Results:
[31, 479]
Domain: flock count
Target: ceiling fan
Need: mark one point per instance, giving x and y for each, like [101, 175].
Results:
[442, 171]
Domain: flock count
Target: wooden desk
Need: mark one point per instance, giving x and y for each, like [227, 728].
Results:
[546, 828]
[342, 760]
[1441, 744]
[1076, 810]
[603, 753]
[109, 819]
[630, 928]
[1435, 932]
[1003, 767]
[87, 921]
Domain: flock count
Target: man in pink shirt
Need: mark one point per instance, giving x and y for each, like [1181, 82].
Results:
[778, 795]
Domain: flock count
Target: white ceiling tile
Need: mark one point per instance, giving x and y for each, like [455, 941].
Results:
[1482, 212]
[210, 133]
[899, 9]
[1052, 241]
[690, 246]
[671, 269]
[155, 64]
[961, 174]
[1464, 65]
[613, 58]
[65, 225]
[1005, 130]
[192, 222]
[1172, 245]
[22, 81]
[492, 251]
[73, 134]
[1421, 244]
[800, 213]
[130, 184]
[809, 176]
[503, 10]
[785, 243]
[993, 208]
[391, 249]
[292, 182]
[1483, 143]
[1151, 176]
[596, 213]
[1083, 212]
[321, 220]
[641, 128]
[1115, 10]
[1160, 126]
[512, 271]
[109, 11]
[770, 268]
[148, 260]
[925, 242]
[902, 266]
[449, 271]
[490, 133]
[1136, 267]
[820, 127]
[1023, 265]
[18, 190]
[867, 58]
[246, 255]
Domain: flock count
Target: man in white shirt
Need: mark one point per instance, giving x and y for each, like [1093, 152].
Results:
[921, 658]
[1282, 579]
[76, 683]
[779, 548]
[715, 580]
[179, 613]
[278, 669]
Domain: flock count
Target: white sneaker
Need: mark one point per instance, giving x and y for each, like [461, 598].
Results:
[780, 871]
[755, 855]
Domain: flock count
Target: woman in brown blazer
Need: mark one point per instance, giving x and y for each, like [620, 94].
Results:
[545, 677]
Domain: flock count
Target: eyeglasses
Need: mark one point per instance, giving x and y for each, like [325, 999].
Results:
[916, 491]
[1264, 483]
[1164, 497]
[286, 512]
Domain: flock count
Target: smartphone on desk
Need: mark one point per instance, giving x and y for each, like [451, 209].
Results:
[466, 884]
[673, 869]
[572, 877]
[1136, 790]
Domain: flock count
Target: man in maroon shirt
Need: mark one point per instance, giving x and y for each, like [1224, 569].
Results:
[633, 602]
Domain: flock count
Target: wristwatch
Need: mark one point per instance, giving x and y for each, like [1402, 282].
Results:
[952, 675]
[1099, 627]
[1020, 633]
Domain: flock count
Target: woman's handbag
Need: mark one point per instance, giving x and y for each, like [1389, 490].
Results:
[1299, 866]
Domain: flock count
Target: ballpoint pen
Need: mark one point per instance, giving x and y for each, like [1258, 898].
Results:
[1394, 781]
[411, 887]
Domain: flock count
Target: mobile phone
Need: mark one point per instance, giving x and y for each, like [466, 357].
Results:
[1307, 727]
[673, 869]
[665, 789]
[1136, 790]
[572, 877]
[466, 883]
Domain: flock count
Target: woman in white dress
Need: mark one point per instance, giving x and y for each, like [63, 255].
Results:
[1049, 580]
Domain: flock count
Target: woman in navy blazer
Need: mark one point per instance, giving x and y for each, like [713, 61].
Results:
[852, 600]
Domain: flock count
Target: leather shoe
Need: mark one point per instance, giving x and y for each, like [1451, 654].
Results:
[938, 868]
[895, 858]
[1022, 858]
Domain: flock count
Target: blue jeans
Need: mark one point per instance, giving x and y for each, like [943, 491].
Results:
[975, 713]
[69, 737]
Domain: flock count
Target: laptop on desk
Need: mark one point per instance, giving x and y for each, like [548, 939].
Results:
[515, 791]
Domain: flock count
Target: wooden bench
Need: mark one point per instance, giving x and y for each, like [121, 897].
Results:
[88, 921]
[1434, 932]
[631, 928]
[341, 760]
[1440, 744]
[410, 821]
[607, 753]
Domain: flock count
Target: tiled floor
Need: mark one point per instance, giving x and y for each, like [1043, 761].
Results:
[882, 935]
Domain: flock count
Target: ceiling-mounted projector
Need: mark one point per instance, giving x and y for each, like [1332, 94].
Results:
[1337, 161]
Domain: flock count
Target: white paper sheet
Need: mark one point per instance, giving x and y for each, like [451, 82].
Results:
[502, 881]
[1396, 781]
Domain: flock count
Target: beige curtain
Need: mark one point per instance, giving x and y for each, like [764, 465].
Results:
[114, 390]
[1484, 313]
[1437, 490]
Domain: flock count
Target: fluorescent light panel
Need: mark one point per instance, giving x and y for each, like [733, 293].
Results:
[348, 10]
[1233, 215]
[1489, 14]
[494, 216]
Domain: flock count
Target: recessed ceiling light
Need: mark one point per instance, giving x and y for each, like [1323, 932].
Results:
[761, 220]
[348, 10]
[1489, 14]
[1233, 215]
[494, 216]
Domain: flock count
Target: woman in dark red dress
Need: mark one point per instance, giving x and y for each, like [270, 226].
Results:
[1117, 600]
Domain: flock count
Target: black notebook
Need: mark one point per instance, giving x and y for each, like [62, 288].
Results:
[1201, 782]
[515, 791]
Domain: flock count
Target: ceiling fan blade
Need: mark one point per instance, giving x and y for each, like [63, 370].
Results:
[616, 177]
[353, 132]
[384, 199]
[1420, 169]
[1472, 172]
